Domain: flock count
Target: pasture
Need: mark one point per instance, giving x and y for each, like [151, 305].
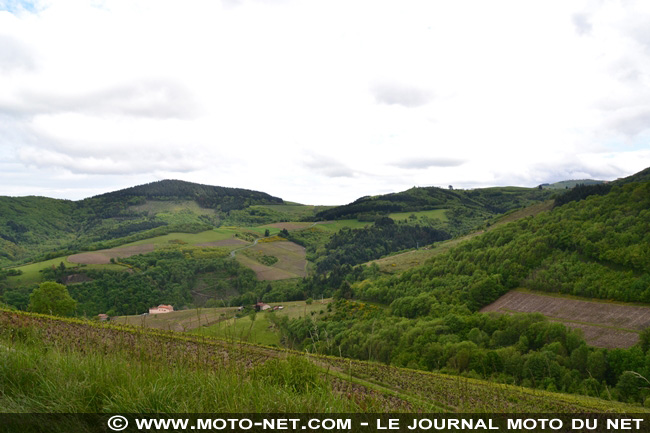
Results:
[604, 324]
[31, 274]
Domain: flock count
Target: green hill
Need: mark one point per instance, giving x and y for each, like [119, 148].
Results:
[464, 209]
[568, 184]
[594, 247]
[37, 226]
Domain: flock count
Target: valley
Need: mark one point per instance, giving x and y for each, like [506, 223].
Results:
[516, 291]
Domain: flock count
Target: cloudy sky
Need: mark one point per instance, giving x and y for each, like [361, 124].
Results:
[320, 102]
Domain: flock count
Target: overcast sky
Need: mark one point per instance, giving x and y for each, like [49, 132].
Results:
[320, 102]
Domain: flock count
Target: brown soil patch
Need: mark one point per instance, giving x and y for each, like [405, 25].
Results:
[603, 324]
[224, 243]
[103, 257]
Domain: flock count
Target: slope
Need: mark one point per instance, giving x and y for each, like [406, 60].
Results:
[464, 208]
[427, 316]
[267, 380]
[40, 228]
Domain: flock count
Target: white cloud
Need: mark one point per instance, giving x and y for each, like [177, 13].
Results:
[321, 102]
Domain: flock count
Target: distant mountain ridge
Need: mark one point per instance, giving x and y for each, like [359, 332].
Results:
[487, 201]
[205, 195]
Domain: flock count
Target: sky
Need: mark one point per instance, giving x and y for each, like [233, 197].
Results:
[320, 102]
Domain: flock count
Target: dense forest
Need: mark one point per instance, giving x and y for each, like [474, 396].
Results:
[207, 196]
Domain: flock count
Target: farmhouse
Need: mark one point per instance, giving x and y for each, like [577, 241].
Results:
[161, 309]
[102, 317]
[261, 306]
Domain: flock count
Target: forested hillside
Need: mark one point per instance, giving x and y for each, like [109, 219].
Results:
[207, 196]
[592, 246]
[466, 206]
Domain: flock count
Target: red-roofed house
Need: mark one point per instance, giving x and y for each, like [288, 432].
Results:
[161, 309]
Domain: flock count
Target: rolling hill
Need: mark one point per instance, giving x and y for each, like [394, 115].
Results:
[591, 242]
[595, 245]
[464, 208]
[39, 226]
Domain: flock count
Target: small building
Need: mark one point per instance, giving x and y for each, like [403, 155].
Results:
[161, 309]
[261, 306]
[102, 317]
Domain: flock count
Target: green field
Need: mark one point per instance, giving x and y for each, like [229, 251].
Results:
[31, 273]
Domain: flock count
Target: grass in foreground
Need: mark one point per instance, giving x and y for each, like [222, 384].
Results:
[65, 365]
[37, 378]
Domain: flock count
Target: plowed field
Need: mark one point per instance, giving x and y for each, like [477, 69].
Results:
[102, 257]
[291, 263]
[603, 324]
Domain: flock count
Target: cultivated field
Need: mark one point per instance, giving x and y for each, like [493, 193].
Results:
[292, 262]
[183, 320]
[603, 324]
[261, 329]
[102, 257]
